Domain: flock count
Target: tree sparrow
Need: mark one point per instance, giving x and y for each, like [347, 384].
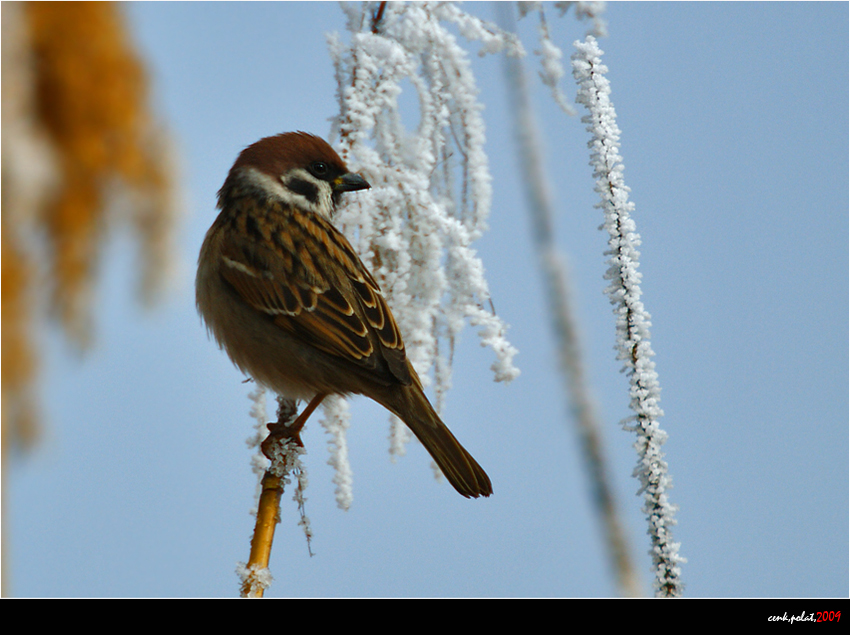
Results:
[285, 294]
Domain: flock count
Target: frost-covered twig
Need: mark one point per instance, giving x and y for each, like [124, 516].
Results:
[335, 423]
[565, 329]
[288, 462]
[259, 463]
[550, 54]
[285, 449]
[633, 321]
[431, 192]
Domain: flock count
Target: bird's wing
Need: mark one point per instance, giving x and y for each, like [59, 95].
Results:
[300, 270]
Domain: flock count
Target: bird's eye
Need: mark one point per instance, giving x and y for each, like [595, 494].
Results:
[319, 168]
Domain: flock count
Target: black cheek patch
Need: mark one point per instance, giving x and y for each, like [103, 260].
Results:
[304, 188]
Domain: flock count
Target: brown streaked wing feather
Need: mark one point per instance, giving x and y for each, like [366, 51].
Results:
[338, 310]
[381, 319]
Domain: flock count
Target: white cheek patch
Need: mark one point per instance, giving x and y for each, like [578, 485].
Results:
[267, 183]
[277, 188]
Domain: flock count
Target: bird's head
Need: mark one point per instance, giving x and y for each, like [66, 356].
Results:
[296, 168]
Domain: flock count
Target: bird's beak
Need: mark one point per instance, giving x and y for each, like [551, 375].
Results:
[350, 182]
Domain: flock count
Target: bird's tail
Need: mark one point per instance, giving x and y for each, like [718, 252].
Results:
[462, 471]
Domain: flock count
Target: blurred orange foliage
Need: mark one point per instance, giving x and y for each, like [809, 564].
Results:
[89, 98]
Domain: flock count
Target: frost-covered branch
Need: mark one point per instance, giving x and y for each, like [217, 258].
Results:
[286, 452]
[552, 70]
[335, 423]
[431, 190]
[556, 278]
[633, 321]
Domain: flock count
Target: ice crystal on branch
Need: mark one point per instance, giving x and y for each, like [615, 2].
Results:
[336, 423]
[431, 189]
[550, 56]
[551, 68]
[633, 321]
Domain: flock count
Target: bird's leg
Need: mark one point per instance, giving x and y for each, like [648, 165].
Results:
[284, 428]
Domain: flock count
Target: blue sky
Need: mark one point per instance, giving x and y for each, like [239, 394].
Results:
[735, 144]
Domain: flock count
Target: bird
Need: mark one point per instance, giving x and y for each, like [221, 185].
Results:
[287, 297]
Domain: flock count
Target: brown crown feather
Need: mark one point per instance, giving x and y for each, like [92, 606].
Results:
[280, 153]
